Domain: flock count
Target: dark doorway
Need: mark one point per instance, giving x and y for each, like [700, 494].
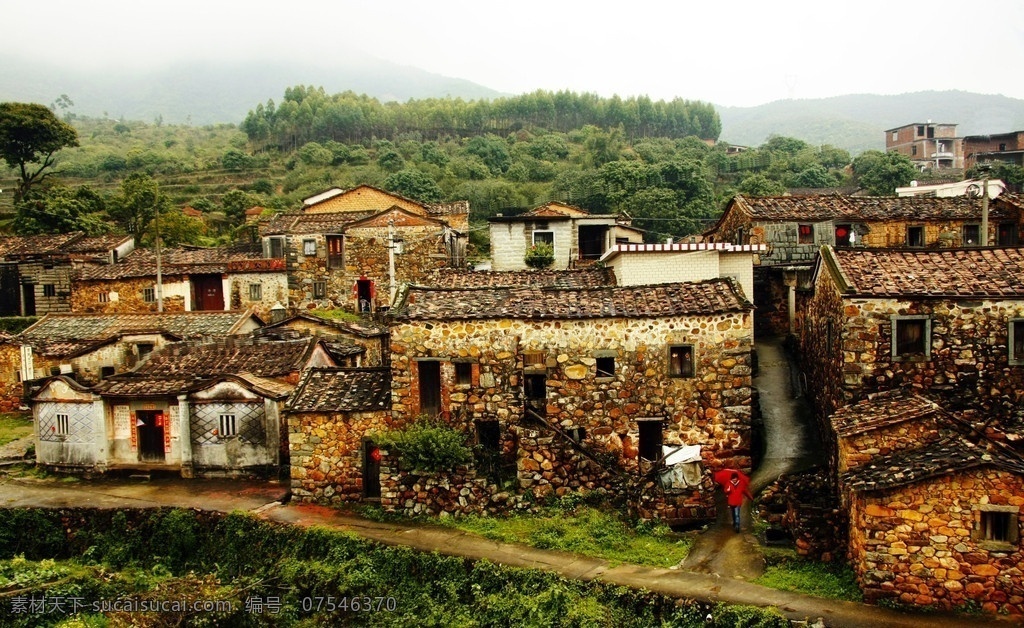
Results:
[371, 470]
[149, 425]
[1007, 235]
[535, 389]
[28, 296]
[364, 295]
[591, 241]
[207, 292]
[430, 387]
[650, 439]
[10, 302]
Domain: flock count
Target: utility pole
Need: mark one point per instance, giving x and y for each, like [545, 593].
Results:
[391, 262]
[159, 277]
[984, 203]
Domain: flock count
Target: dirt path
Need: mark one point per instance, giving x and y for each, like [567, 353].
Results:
[719, 550]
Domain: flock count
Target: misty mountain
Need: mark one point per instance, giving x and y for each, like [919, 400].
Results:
[858, 122]
[219, 92]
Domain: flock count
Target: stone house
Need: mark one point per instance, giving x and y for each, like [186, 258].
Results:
[372, 339]
[90, 347]
[794, 228]
[235, 277]
[206, 408]
[938, 525]
[338, 248]
[36, 272]
[946, 323]
[577, 236]
[579, 389]
[639, 264]
[332, 417]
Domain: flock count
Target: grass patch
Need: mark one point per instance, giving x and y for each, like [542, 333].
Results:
[336, 315]
[584, 530]
[787, 572]
[14, 425]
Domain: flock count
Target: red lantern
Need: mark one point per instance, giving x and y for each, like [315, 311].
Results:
[375, 454]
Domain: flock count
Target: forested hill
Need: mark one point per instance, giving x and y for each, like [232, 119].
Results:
[857, 122]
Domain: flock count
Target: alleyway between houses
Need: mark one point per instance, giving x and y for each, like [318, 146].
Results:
[787, 447]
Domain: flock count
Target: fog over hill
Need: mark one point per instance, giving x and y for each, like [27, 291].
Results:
[214, 92]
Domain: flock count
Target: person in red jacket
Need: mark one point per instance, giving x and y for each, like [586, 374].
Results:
[735, 484]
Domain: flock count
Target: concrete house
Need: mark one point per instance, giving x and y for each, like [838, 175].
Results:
[332, 417]
[581, 388]
[207, 408]
[929, 145]
[338, 248]
[577, 236]
[946, 323]
[36, 272]
[235, 277]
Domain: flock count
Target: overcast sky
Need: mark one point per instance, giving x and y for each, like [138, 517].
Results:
[738, 53]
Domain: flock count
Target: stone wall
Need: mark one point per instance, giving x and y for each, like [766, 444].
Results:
[917, 544]
[10, 379]
[366, 253]
[326, 453]
[457, 492]
[968, 366]
[803, 508]
[858, 449]
[273, 290]
[711, 409]
[125, 296]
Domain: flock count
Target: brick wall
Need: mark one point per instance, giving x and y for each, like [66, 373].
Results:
[917, 544]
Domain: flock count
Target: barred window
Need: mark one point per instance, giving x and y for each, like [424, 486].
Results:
[63, 425]
[227, 426]
[104, 297]
[680, 361]
[49, 290]
[309, 247]
[319, 289]
[149, 295]
[255, 291]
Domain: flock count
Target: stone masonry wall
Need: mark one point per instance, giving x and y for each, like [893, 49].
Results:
[917, 543]
[858, 449]
[711, 409]
[10, 381]
[458, 492]
[326, 453]
[969, 364]
[366, 253]
[124, 296]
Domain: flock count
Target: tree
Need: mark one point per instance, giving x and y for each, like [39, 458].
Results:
[30, 134]
[61, 210]
[882, 173]
[760, 185]
[815, 176]
[414, 184]
[137, 204]
[177, 228]
[235, 202]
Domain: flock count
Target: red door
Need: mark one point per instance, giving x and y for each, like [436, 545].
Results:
[207, 292]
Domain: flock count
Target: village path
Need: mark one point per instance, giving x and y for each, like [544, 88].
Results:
[787, 440]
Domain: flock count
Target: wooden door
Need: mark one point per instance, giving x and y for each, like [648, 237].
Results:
[149, 425]
[208, 292]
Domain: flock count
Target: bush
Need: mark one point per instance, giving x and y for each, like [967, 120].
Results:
[540, 255]
[427, 446]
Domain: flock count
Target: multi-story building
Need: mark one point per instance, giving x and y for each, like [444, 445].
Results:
[927, 144]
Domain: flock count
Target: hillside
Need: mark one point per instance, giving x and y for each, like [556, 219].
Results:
[858, 122]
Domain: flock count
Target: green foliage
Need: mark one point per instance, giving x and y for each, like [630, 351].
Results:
[881, 173]
[61, 210]
[30, 533]
[414, 184]
[588, 531]
[16, 324]
[428, 446]
[540, 255]
[30, 134]
[829, 580]
[760, 185]
[741, 616]
[135, 207]
[14, 425]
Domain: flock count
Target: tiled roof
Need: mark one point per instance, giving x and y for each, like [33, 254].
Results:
[951, 455]
[360, 328]
[69, 334]
[584, 278]
[146, 385]
[298, 223]
[974, 273]
[881, 410]
[97, 244]
[342, 390]
[527, 302]
[175, 262]
[50, 244]
[259, 356]
[864, 208]
[341, 350]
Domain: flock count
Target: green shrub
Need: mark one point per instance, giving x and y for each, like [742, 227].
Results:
[540, 255]
[427, 446]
